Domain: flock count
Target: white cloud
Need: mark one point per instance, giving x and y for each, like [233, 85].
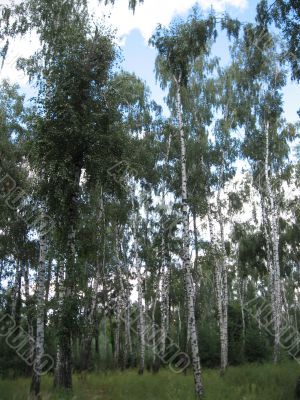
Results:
[153, 12]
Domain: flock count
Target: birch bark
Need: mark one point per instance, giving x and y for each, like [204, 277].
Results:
[125, 305]
[186, 251]
[141, 329]
[40, 299]
[223, 289]
[141, 316]
[164, 299]
[277, 307]
[221, 274]
[29, 313]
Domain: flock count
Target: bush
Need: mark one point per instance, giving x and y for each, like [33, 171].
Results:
[209, 346]
[257, 346]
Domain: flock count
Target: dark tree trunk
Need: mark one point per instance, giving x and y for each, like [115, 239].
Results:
[63, 373]
[86, 353]
[97, 339]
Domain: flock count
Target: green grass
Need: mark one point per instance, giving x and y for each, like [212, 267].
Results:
[249, 382]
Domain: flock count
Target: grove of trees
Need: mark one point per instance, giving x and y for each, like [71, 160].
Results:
[131, 239]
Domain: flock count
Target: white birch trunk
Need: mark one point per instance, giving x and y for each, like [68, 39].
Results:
[125, 307]
[40, 299]
[90, 321]
[141, 317]
[127, 341]
[140, 298]
[221, 275]
[165, 273]
[92, 314]
[29, 312]
[154, 299]
[117, 333]
[223, 291]
[241, 295]
[275, 247]
[16, 291]
[60, 298]
[186, 252]
[164, 299]
[156, 294]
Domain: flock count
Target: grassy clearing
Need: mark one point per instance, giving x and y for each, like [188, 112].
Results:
[249, 382]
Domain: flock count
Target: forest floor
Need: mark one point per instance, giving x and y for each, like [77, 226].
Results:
[248, 382]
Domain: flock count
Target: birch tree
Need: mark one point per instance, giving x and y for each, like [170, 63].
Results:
[40, 327]
[138, 267]
[178, 47]
[265, 125]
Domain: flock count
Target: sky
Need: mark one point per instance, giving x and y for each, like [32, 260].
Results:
[134, 31]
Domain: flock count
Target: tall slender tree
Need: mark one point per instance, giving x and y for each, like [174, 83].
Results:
[178, 47]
